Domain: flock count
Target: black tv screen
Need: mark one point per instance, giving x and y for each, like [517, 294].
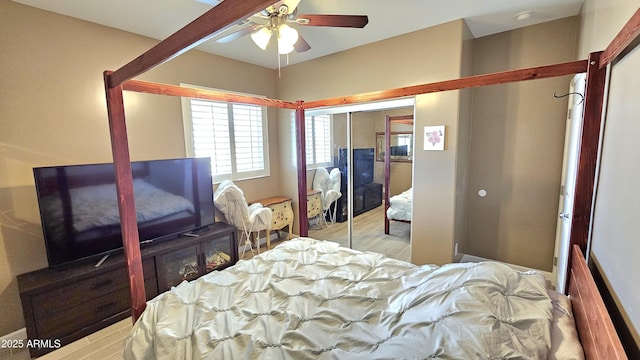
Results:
[400, 150]
[79, 206]
[363, 165]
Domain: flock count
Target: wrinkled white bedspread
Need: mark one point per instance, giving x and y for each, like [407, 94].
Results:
[309, 299]
[400, 206]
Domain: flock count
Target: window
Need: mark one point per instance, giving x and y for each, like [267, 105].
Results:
[318, 140]
[233, 135]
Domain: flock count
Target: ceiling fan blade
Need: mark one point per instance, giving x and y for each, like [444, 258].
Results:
[351, 21]
[301, 45]
[238, 34]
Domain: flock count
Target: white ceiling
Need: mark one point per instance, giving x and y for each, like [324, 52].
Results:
[160, 18]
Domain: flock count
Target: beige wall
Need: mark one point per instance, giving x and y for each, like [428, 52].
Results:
[53, 113]
[616, 233]
[517, 145]
[438, 191]
[464, 143]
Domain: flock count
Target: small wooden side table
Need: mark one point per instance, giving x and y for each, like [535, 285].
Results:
[282, 214]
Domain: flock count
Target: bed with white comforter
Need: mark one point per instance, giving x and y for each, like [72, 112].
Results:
[400, 206]
[309, 299]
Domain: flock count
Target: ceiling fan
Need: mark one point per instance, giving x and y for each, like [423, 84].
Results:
[274, 22]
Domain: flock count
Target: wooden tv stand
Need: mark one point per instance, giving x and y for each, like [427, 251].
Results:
[66, 303]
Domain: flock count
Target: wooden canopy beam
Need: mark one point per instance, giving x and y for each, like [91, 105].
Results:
[534, 73]
[174, 90]
[193, 34]
[625, 40]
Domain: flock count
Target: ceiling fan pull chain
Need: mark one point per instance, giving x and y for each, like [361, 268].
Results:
[279, 73]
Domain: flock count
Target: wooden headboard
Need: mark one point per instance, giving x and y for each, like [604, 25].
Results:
[595, 329]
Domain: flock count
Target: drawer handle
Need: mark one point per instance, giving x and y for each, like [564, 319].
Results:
[101, 284]
[104, 307]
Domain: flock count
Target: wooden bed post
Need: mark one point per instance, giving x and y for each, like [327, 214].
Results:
[302, 169]
[126, 204]
[588, 157]
[387, 164]
[387, 170]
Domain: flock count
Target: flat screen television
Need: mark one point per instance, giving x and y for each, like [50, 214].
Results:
[400, 150]
[79, 207]
[363, 164]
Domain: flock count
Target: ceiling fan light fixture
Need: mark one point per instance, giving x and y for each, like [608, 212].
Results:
[284, 48]
[261, 38]
[287, 34]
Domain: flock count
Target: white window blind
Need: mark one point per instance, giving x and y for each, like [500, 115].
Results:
[249, 142]
[211, 134]
[233, 135]
[318, 140]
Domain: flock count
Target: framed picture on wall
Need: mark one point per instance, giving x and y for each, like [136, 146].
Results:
[434, 137]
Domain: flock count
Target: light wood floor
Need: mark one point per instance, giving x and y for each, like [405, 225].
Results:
[368, 235]
[105, 344]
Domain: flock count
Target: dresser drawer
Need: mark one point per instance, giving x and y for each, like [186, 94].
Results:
[69, 296]
[282, 215]
[70, 320]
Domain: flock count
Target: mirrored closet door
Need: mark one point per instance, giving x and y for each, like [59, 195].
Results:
[356, 218]
[327, 176]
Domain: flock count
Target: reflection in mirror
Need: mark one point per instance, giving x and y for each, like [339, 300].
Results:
[401, 146]
[359, 140]
[330, 225]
